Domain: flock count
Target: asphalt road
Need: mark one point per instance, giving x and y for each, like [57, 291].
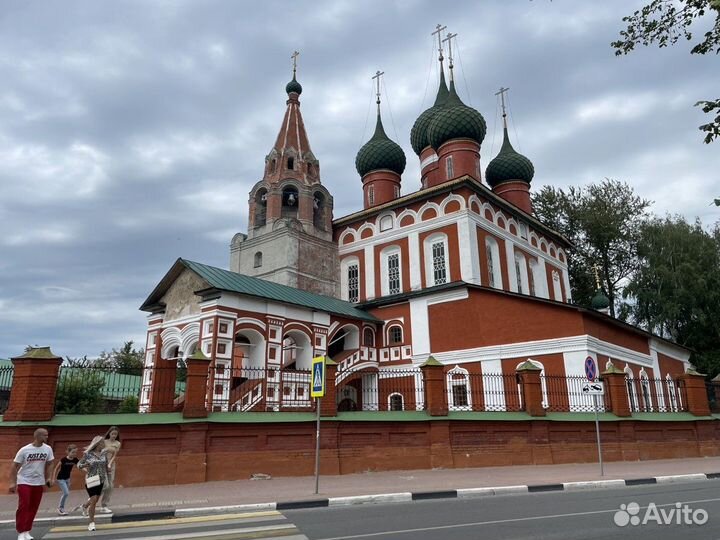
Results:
[536, 516]
[654, 512]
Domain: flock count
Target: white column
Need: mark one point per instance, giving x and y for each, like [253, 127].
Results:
[420, 327]
[414, 258]
[542, 288]
[512, 274]
[493, 388]
[469, 260]
[566, 281]
[370, 272]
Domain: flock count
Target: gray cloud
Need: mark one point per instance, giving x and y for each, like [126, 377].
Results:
[131, 133]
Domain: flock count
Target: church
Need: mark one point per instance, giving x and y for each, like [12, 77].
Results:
[451, 266]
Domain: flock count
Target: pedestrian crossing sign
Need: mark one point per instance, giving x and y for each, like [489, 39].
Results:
[317, 388]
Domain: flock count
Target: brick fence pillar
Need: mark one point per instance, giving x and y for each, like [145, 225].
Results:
[196, 386]
[162, 387]
[35, 380]
[328, 405]
[436, 400]
[615, 386]
[529, 375]
[695, 392]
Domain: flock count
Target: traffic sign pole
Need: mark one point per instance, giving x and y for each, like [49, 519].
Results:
[597, 433]
[317, 446]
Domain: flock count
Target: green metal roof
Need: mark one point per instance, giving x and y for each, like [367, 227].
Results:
[293, 86]
[418, 134]
[225, 280]
[455, 120]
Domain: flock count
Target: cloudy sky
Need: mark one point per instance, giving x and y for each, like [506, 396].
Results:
[132, 132]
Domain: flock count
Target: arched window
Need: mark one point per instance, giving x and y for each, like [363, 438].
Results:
[350, 279]
[319, 210]
[672, 393]
[371, 195]
[273, 165]
[645, 389]
[391, 271]
[395, 402]
[450, 168]
[395, 335]
[397, 191]
[260, 207]
[493, 263]
[632, 394]
[437, 270]
[535, 277]
[557, 289]
[258, 259]
[289, 202]
[521, 274]
[368, 337]
[458, 389]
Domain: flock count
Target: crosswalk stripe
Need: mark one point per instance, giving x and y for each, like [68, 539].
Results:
[245, 516]
[279, 531]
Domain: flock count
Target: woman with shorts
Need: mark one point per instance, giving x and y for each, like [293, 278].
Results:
[93, 463]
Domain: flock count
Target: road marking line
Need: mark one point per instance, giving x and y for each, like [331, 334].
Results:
[499, 521]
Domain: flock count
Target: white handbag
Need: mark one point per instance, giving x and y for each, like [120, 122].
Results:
[92, 481]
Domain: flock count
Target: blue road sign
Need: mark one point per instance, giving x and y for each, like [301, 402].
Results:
[318, 377]
[590, 368]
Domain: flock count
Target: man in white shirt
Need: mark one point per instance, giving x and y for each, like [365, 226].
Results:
[29, 473]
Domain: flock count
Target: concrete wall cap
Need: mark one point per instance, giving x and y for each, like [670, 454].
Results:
[38, 352]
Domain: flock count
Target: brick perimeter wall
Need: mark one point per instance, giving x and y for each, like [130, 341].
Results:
[198, 452]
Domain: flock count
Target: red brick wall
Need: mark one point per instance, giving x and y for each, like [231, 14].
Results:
[187, 453]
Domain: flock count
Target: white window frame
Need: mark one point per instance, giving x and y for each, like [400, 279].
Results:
[430, 259]
[451, 383]
[391, 343]
[450, 167]
[645, 387]
[402, 401]
[539, 283]
[386, 223]
[522, 273]
[385, 271]
[493, 256]
[557, 288]
[344, 279]
[543, 382]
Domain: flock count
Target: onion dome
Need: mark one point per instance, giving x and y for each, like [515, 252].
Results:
[418, 133]
[293, 86]
[380, 153]
[600, 302]
[455, 120]
[508, 165]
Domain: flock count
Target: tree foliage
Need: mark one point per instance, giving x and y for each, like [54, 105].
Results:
[129, 405]
[602, 221]
[676, 291]
[664, 22]
[125, 360]
[80, 395]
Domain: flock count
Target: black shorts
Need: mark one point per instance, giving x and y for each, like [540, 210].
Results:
[95, 490]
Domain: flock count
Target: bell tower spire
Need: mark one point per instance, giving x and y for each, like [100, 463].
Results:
[289, 238]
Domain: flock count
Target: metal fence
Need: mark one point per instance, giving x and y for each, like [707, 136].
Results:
[655, 395]
[562, 393]
[94, 390]
[713, 393]
[385, 390]
[6, 377]
[483, 392]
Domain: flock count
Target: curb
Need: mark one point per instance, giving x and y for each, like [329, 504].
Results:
[379, 498]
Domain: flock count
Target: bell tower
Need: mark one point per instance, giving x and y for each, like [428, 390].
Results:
[289, 238]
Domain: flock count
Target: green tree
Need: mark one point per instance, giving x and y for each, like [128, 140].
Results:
[125, 360]
[665, 22]
[79, 392]
[602, 221]
[676, 291]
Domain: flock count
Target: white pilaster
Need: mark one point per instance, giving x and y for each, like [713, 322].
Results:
[370, 272]
[469, 260]
[414, 258]
[566, 281]
[510, 257]
[420, 327]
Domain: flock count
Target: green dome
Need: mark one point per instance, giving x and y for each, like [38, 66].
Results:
[293, 86]
[418, 133]
[455, 120]
[600, 301]
[380, 153]
[508, 165]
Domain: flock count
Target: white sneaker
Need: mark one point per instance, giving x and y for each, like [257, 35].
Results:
[91, 526]
[104, 510]
[61, 512]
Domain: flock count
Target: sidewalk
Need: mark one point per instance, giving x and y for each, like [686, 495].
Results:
[289, 489]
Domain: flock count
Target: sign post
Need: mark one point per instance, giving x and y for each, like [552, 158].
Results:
[317, 390]
[594, 388]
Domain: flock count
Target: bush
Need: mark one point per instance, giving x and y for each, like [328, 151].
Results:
[129, 405]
